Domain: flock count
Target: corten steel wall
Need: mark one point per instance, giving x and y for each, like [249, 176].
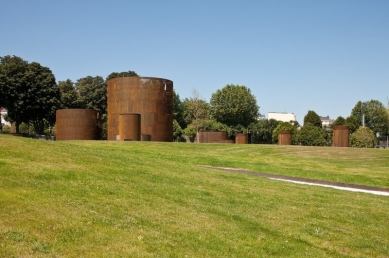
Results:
[129, 127]
[78, 124]
[340, 136]
[241, 138]
[284, 138]
[151, 97]
[212, 137]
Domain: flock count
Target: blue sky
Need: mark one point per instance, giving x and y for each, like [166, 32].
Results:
[295, 56]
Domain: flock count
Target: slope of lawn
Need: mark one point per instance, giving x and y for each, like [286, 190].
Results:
[147, 199]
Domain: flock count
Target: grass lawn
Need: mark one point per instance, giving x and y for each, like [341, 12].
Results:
[147, 199]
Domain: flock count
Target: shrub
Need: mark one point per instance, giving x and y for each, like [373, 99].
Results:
[284, 126]
[6, 129]
[363, 138]
[310, 135]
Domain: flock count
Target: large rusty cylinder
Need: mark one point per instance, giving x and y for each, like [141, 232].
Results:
[284, 138]
[78, 124]
[241, 138]
[129, 127]
[150, 97]
[341, 136]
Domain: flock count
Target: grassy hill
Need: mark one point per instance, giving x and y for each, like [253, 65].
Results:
[146, 199]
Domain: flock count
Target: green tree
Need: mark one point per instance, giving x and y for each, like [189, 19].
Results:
[338, 121]
[363, 138]
[310, 135]
[121, 74]
[234, 105]
[93, 93]
[313, 119]
[376, 116]
[178, 110]
[262, 131]
[29, 92]
[195, 109]
[284, 126]
[70, 97]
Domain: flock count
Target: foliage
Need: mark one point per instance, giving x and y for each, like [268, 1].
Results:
[26, 128]
[311, 118]
[178, 110]
[195, 108]
[30, 92]
[190, 131]
[177, 132]
[376, 116]
[338, 121]
[6, 129]
[310, 135]
[262, 131]
[353, 123]
[93, 93]
[121, 74]
[284, 126]
[364, 137]
[233, 105]
[70, 97]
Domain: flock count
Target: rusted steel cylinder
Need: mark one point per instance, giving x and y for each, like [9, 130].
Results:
[129, 127]
[78, 124]
[241, 138]
[145, 138]
[341, 136]
[284, 138]
[150, 97]
[212, 137]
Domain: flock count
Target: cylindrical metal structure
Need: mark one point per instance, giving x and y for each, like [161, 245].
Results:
[212, 137]
[145, 137]
[284, 138]
[152, 98]
[78, 124]
[129, 127]
[241, 138]
[340, 136]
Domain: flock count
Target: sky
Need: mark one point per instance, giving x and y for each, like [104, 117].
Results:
[294, 56]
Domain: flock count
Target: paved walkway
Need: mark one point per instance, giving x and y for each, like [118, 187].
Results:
[306, 181]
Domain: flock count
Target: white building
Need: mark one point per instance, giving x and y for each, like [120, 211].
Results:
[3, 112]
[326, 121]
[282, 116]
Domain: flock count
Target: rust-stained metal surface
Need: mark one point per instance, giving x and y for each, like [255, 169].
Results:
[213, 137]
[78, 124]
[284, 138]
[340, 136]
[129, 127]
[150, 97]
[241, 138]
[145, 137]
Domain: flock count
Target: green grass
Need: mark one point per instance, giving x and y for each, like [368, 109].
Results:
[146, 199]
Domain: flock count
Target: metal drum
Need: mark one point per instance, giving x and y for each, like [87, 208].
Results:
[152, 98]
[129, 127]
[284, 138]
[241, 138]
[340, 136]
[212, 137]
[78, 124]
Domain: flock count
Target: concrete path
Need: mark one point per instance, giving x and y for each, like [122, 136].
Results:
[306, 181]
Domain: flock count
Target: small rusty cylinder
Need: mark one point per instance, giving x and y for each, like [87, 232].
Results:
[241, 138]
[211, 137]
[341, 136]
[284, 138]
[129, 127]
[78, 124]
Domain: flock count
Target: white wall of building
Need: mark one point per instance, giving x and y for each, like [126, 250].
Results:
[283, 116]
[3, 112]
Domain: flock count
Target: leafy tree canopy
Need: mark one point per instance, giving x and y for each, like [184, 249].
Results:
[93, 93]
[262, 130]
[284, 126]
[233, 105]
[338, 121]
[121, 74]
[195, 108]
[376, 116]
[363, 138]
[70, 97]
[311, 118]
[310, 135]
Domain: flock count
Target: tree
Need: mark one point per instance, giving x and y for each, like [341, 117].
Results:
[338, 121]
[70, 97]
[363, 138]
[376, 116]
[310, 135]
[313, 119]
[262, 130]
[121, 74]
[178, 110]
[195, 109]
[29, 92]
[284, 126]
[93, 93]
[234, 105]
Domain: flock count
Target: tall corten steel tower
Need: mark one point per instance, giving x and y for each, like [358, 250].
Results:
[150, 97]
